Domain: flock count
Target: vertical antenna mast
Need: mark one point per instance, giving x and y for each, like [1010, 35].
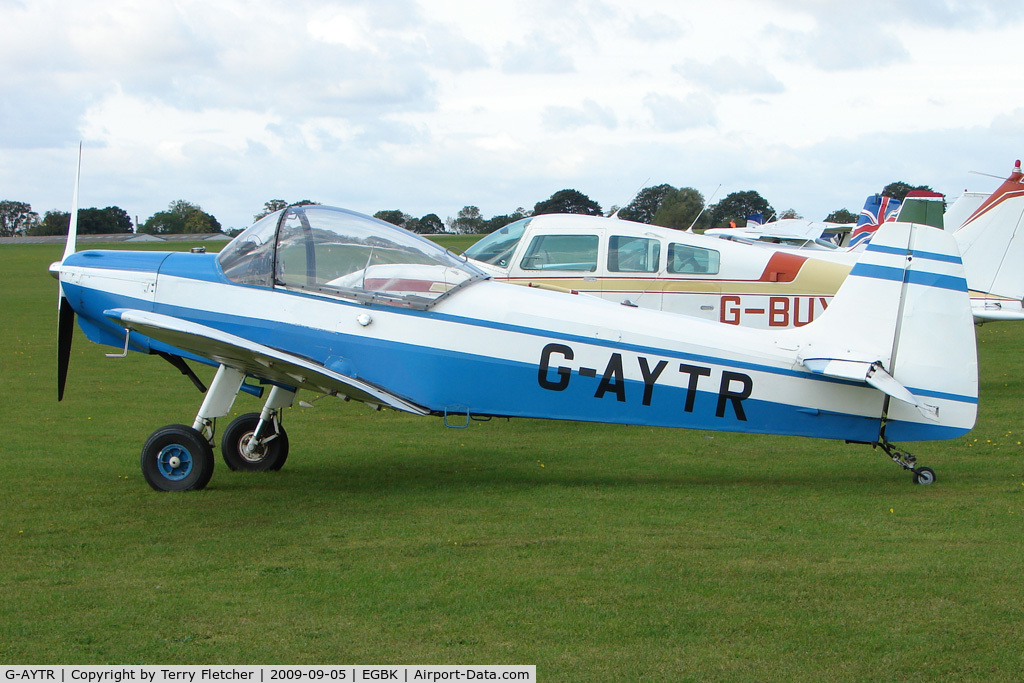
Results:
[704, 208]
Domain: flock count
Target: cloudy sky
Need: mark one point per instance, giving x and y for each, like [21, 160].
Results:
[430, 105]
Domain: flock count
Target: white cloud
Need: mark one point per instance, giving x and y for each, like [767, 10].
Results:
[590, 113]
[1010, 125]
[537, 54]
[655, 27]
[672, 114]
[874, 46]
[430, 106]
[951, 14]
[728, 75]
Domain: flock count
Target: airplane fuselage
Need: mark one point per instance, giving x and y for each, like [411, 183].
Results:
[490, 349]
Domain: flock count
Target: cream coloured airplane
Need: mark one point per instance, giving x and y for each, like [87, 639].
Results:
[740, 281]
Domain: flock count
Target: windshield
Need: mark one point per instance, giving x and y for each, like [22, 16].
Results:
[334, 251]
[498, 247]
[249, 258]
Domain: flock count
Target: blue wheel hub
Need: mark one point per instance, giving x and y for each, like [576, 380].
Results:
[174, 462]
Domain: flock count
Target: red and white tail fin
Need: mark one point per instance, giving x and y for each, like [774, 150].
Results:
[991, 241]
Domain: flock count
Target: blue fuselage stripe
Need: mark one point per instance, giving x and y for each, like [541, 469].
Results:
[928, 255]
[916, 277]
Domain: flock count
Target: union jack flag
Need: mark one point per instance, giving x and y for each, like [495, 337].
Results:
[877, 210]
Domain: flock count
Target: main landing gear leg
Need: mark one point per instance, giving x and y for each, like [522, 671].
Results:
[180, 458]
[256, 442]
[922, 475]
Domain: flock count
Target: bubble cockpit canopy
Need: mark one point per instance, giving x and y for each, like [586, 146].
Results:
[343, 253]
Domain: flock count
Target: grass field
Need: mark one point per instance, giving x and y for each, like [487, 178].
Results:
[595, 552]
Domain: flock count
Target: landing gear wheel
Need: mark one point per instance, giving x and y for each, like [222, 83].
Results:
[924, 476]
[269, 455]
[177, 458]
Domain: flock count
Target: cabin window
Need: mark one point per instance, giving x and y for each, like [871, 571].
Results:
[633, 254]
[692, 260]
[562, 252]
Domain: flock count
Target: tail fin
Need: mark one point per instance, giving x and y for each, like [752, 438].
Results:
[877, 210]
[992, 241]
[902, 323]
[923, 207]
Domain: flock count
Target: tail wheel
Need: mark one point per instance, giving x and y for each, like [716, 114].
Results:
[924, 476]
[177, 458]
[239, 453]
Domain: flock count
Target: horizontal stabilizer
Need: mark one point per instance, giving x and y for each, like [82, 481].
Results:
[869, 373]
[255, 359]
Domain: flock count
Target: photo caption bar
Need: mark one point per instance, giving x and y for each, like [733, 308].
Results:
[266, 674]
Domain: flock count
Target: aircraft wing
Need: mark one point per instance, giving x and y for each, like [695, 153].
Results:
[255, 359]
[870, 373]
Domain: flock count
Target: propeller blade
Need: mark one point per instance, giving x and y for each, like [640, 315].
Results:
[65, 331]
[66, 314]
[72, 242]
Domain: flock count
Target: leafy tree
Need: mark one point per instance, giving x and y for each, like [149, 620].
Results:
[789, 213]
[568, 201]
[646, 203]
[469, 220]
[199, 223]
[269, 208]
[112, 220]
[16, 218]
[899, 189]
[737, 206]
[278, 204]
[53, 223]
[841, 216]
[109, 221]
[680, 208]
[428, 225]
[181, 217]
[393, 216]
[499, 222]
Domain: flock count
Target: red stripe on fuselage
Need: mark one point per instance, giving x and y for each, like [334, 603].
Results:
[782, 267]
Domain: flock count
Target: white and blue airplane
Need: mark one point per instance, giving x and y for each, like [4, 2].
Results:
[332, 302]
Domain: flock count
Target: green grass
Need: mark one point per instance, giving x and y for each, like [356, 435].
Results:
[457, 243]
[595, 552]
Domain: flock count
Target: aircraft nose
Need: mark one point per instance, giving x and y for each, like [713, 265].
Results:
[55, 269]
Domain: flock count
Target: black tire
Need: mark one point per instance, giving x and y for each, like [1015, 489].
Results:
[177, 458]
[924, 476]
[267, 458]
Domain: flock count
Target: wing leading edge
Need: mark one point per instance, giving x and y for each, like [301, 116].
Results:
[254, 359]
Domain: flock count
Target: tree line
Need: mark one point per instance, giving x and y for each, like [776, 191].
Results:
[18, 218]
[663, 205]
